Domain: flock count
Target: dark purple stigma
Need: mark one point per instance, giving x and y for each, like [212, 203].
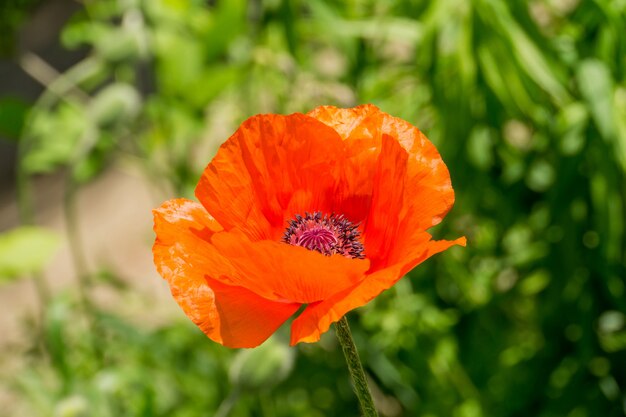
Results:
[327, 234]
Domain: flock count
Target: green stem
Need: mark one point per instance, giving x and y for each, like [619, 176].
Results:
[356, 369]
[70, 211]
[227, 404]
[80, 264]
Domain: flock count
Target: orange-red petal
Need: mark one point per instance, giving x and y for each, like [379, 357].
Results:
[272, 168]
[245, 319]
[359, 127]
[363, 128]
[279, 271]
[230, 315]
[407, 180]
[317, 318]
[387, 212]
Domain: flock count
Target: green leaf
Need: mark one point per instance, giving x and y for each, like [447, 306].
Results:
[115, 104]
[117, 45]
[211, 83]
[12, 115]
[571, 123]
[480, 148]
[95, 161]
[535, 282]
[531, 59]
[54, 138]
[596, 86]
[25, 250]
[619, 103]
[228, 21]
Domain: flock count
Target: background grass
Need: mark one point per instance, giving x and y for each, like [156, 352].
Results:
[526, 101]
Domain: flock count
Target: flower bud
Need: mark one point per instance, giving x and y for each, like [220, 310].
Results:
[262, 367]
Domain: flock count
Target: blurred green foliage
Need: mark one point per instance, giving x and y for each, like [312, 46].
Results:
[12, 14]
[526, 101]
[25, 250]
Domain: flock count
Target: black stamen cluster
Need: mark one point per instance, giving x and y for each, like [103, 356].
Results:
[345, 234]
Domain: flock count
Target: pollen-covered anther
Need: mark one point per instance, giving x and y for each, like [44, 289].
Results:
[327, 234]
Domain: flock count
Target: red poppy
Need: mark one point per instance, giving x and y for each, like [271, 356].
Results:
[326, 210]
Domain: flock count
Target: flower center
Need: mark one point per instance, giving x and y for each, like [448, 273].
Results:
[327, 234]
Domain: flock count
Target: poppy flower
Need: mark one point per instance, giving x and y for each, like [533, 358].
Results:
[324, 210]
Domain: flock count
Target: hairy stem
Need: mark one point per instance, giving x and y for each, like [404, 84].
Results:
[356, 369]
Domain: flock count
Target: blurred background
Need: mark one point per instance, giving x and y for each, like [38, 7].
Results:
[109, 107]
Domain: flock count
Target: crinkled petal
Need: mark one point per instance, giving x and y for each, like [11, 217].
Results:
[361, 124]
[272, 168]
[407, 180]
[383, 224]
[279, 271]
[246, 320]
[359, 127]
[317, 318]
[230, 315]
